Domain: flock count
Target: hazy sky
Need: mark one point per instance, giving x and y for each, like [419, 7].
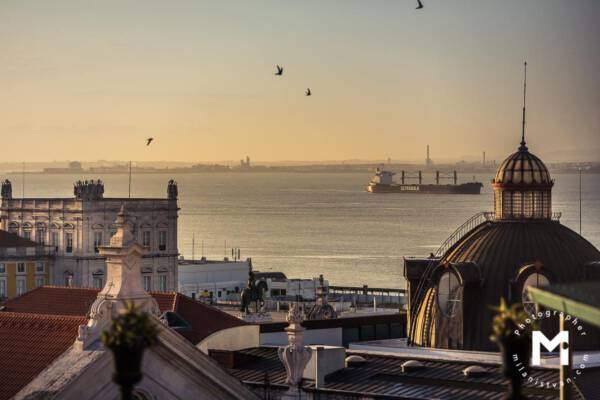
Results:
[91, 80]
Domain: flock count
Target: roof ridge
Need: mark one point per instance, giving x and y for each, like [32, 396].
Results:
[37, 316]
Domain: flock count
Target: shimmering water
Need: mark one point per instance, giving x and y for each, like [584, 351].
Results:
[306, 224]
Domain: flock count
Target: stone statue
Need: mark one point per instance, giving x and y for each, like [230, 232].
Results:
[88, 190]
[6, 189]
[172, 192]
[322, 309]
[251, 294]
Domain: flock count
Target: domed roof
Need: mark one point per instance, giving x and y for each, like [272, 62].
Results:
[522, 168]
[499, 250]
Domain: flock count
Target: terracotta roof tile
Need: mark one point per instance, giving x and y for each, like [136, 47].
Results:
[41, 324]
[8, 239]
[30, 342]
[61, 300]
[205, 320]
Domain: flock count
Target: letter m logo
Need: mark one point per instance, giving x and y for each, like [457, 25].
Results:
[538, 339]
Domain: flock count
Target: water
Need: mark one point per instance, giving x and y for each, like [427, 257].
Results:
[307, 224]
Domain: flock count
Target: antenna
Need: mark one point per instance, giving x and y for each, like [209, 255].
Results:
[23, 181]
[193, 246]
[523, 146]
[579, 200]
[129, 179]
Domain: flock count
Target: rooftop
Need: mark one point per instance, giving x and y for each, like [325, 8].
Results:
[10, 240]
[68, 301]
[30, 342]
[382, 377]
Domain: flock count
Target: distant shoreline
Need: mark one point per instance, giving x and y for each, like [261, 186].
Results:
[299, 170]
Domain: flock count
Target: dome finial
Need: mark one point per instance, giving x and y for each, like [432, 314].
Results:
[523, 146]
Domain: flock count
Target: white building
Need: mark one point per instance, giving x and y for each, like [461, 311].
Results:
[278, 286]
[216, 280]
[78, 226]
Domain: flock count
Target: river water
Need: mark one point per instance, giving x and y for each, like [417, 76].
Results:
[307, 224]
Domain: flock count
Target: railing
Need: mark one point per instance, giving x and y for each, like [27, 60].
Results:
[462, 230]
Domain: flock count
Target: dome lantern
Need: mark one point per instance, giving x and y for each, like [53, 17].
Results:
[522, 186]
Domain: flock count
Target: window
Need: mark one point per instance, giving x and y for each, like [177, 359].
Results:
[20, 286]
[3, 288]
[536, 280]
[21, 267]
[39, 266]
[54, 239]
[146, 238]
[27, 234]
[162, 240]
[2, 268]
[449, 294]
[162, 283]
[40, 236]
[97, 281]
[13, 227]
[40, 281]
[147, 283]
[97, 241]
[68, 242]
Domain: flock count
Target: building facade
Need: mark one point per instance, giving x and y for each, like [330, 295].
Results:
[77, 227]
[213, 280]
[24, 265]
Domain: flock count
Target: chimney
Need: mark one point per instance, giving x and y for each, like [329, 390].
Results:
[324, 361]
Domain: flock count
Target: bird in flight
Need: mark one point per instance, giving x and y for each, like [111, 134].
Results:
[308, 92]
[279, 71]
[420, 5]
[148, 141]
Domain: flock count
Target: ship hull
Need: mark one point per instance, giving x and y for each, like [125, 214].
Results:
[464, 188]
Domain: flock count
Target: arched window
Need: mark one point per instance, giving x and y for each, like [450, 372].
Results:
[13, 227]
[449, 294]
[535, 279]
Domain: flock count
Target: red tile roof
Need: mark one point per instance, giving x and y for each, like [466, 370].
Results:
[61, 300]
[41, 324]
[29, 343]
[8, 239]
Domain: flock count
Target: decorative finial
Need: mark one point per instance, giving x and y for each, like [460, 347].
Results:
[295, 355]
[523, 146]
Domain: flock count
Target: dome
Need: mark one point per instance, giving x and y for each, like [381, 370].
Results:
[522, 168]
[495, 259]
[522, 187]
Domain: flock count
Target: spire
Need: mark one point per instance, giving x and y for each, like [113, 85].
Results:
[523, 146]
[123, 283]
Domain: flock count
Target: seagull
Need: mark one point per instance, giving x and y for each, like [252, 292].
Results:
[148, 141]
[308, 92]
[420, 5]
[279, 71]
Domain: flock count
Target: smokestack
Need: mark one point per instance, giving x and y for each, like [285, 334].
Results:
[484, 158]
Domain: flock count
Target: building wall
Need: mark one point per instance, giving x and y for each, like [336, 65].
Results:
[50, 219]
[31, 277]
[198, 278]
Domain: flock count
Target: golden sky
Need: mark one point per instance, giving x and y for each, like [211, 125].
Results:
[91, 80]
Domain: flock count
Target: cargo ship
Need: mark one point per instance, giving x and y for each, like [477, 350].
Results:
[383, 182]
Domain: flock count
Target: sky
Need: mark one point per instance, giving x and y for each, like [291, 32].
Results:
[83, 80]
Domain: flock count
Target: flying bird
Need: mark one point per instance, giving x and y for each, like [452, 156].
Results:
[308, 92]
[279, 71]
[148, 141]
[420, 5]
